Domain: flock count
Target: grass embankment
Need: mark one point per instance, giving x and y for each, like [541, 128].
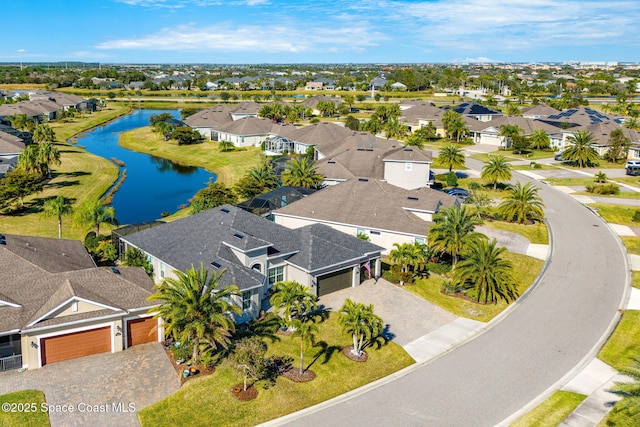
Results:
[201, 402]
[530, 155]
[527, 269]
[617, 214]
[80, 176]
[623, 346]
[36, 418]
[228, 166]
[552, 411]
[536, 233]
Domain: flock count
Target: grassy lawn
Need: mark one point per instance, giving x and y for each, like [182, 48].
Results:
[552, 411]
[68, 128]
[229, 166]
[616, 214]
[536, 233]
[23, 418]
[635, 279]
[623, 346]
[207, 401]
[527, 269]
[436, 165]
[632, 243]
[622, 195]
[509, 154]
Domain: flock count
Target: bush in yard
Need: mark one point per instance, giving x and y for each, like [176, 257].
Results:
[452, 179]
[248, 359]
[181, 352]
[605, 189]
[448, 287]
[636, 216]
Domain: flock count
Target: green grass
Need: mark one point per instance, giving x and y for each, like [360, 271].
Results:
[542, 166]
[552, 411]
[616, 214]
[530, 155]
[635, 279]
[632, 243]
[67, 128]
[536, 233]
[201, 402]
[623, 346]
[228, 166]
[436, 165]
[527, 269]
[21, 419]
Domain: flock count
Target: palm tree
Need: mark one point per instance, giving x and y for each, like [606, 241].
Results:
[47, 154]
[522, 204]
[28, 158]
[632, 123]
[408, 255]
[487, 272]
[20, 121]
[195, 309]
[451, 156]
[507, 132]
[226, 145]
[43, 133]
[359, 321]
[626, 412]
[292, 298]
[539, 139]
[496, 169]
[301, 172]
[57, 207]
[581, 149]
[92, 213]
[453, 231]
[395, 129]
[453, 123]
[512, 110]
[307, 332]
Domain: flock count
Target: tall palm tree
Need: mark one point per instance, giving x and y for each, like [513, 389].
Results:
[307, 332]
[301, 172]
[487, 272]
[626, 412]
[291, 298]
[451, 156]
[195, 309]
[28, 158]
[395, 129]
[581, 149]
[453, 231]
[632, 123]
[408, 255]
[522, 204]
[497, 169]
[57, 207]
[93, 213]
[512, 110]
[43, 133]
[20, 121]
[453, 123]
[539, 139]
[359, 321]
[47, 154]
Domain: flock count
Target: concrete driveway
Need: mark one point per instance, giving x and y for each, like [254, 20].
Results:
[138, 376]
[408, 317]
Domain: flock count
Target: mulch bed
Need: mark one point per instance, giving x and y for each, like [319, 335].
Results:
[293, 374]
[346, 351]
[200, 370]
[239, 393]
[284, 332]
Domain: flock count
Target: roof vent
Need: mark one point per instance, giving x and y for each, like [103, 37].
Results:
[363, 180]
[238, 236]
[215, 264]
[331, 162]
[412, 198]
[115, 270]
[408, 149]
[225, 210]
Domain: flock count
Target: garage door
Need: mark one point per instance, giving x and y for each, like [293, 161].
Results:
[77, 344]
[334, 281]
[140, 331]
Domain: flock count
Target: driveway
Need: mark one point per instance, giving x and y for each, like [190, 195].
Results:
[140, 375]
[408, 317]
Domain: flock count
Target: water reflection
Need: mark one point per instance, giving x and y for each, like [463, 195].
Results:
[164, 165]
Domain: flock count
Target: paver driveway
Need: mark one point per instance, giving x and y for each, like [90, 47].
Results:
[140, 375]
[408, 316]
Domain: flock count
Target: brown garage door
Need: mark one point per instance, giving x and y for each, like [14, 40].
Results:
[140, 331]
[334, 281]
[77, 344]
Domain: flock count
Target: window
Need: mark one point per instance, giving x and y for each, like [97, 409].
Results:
[162, 270]
[74, 306]
[257, 267]
[361, 232]
[408, 167]
[246, 300]
[419, 240]
[276, 274]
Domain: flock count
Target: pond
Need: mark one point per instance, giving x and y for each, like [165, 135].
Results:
[153, 185]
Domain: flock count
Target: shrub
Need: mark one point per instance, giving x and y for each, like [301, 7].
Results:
[314, 120]
[440, 268]
[636, 216]
[180, 352]
[603, 188]
[474, 185]
[448, 287]
[452, 179]
[91, 241]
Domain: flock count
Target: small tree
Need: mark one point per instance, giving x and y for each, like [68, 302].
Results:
[248, 359]
[213, 195]
[134, 257]
[359, 321]
[186, 136]
[293, 299]
[452, 179]
[306, 331]
[226, 146]
[57, 207]
[600, 177]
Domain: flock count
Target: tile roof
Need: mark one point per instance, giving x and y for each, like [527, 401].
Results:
[248, 126]
[213, 117]
[541, 110]
[326, 136]
[370, 203]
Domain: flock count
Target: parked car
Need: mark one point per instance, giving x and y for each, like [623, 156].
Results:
[460, 193]
[558, 157]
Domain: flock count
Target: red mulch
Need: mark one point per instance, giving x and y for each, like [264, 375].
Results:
[200, 370]
[239, 393]
[347, 352]
[293, 374]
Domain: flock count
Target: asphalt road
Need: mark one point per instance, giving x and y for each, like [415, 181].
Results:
[549, 332]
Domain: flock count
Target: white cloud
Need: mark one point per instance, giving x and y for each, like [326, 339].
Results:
[21, 50]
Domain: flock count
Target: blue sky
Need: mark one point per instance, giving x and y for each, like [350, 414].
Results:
[329, 31]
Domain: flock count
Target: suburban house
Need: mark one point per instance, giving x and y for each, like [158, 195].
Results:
[209, 120]
[539, 111]
[255, 253]
[489, 132]
[264, 204]
[384, 213]
[43, 105]
[314, 100]
[418, 114]
[313, 86]
[476, 111]
[10, 148]
[245, 132]
[55, 304]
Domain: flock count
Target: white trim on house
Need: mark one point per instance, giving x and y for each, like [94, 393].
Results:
[33, 331]
[70, 300]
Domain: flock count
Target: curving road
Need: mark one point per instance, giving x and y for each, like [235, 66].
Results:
[547, 334]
